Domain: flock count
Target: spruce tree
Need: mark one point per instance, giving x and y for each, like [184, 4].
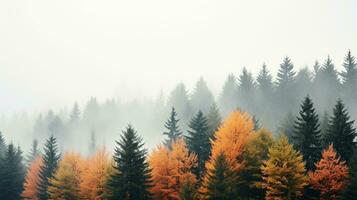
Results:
[50, 163]
[341, 132]
[12, 173]
[131, 180]
[34, 152]
[202, 98]
[228, 97]
[2, 146]
[349, 75]
[307, 137]
[173, 132]
[265, 81]
[180, 100]
[214, 120]
[246, 91]
[198, 140]
[285, 85]
[222, 180]
[351, 190]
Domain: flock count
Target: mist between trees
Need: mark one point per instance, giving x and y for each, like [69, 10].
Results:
[272, 100]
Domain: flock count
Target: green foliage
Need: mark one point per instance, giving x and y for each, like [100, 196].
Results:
[188, 191]
[12, 173]
[173, 132]
[341, 132]
[351, 190]
[198, 141]
[50, 158]
[307, 137]
[222, 181]
[131, 179]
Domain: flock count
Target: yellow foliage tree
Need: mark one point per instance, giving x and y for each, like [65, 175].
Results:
[32, 180]
[94, 176]
[230, 140]
[171, 170]
[66, 181]
[284, 175]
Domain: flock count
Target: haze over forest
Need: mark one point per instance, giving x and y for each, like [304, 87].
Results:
[53, 54]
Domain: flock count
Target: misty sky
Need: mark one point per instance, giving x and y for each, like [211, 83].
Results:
[53, 53]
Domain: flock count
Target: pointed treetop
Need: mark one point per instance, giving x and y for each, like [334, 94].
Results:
[173, 132]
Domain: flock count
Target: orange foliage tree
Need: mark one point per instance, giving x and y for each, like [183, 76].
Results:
[66, 180]
[32, 180]
[230, 141]
[331, 175]
[171, 170]
[94, 176]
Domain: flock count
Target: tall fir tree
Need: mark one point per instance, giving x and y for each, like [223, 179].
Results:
[214, 120]
[265, 81]
[341, 132]
[12, 173]
[198, 141]
[92, 143]
[180, 100]
[2, 146]
[50, 158]
[221, 181]
[349, 80]
[307, 138]
[228, 97]
[202, 98]
[131, 180]
[173, 132]
[285, 85]
[75, 114]
[34, 152]
[246, 91]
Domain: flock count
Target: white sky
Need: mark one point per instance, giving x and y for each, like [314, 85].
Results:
[55, 52]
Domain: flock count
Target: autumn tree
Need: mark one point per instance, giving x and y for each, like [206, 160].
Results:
[173, 132]
[255, 152]
[95, 174]
[32, 180]
[131, 178]
[12, 173]
[172, 171]
[198, 140]
[341, 133]
[307, 138]
[230, 140]
[283, 173]
[50, 162]
[66, 180]
[331, 175]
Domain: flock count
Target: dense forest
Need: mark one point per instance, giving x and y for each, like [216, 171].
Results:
[288, 137]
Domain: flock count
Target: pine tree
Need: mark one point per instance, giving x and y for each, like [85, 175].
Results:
[228, 97]
[50, 163]
[202, 98]
[285, 84]
[3, 147]
[131, 179]
[284, 172]
[198, 141]
[12, 173]
[173, 132]
[34, 152]
[214, 120]
[246, 90]
[75, 114]
[265, 81]
[307, 138]
[349, 76]
[331, 175]
[255, 152]
[221, 181]
[351, 190]
[341, 132]
[180, 100]
[92, 144]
